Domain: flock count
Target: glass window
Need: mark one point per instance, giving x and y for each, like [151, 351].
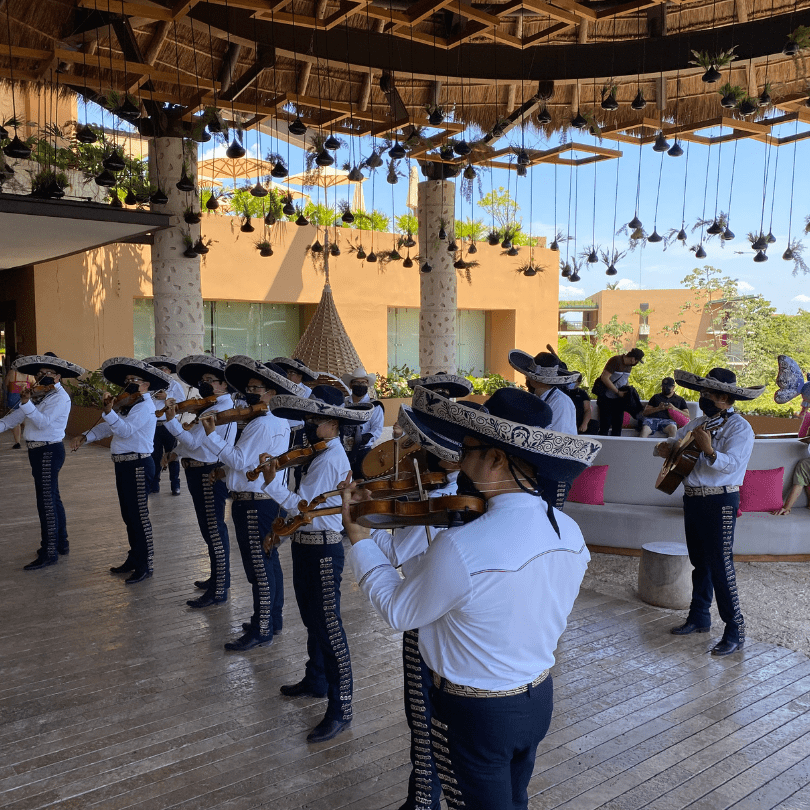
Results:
[143, 315]
[471, 341]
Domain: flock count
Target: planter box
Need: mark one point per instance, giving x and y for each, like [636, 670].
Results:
[83, 418]
[772, 424]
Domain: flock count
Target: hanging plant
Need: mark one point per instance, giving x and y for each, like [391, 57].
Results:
[798, 40]
[639, 102]
[730, 95]
[590, 254]
[316, 247]
[49, 184]
[758, 241]
[565, 268]
[190, 216]
[334, 249]
[264, 247]
[529, 269]
[373, 161]
[698, 250]
[637, 237]
[713, 227]
[764, 99]
[347, 217]
[608, 94]
[442, 229]
[393, 175]
[301, 220]
[185, 183]
[189, 252]
[794, 253]
[610, 258]
[710, 62]
[494, 238]
[435, 114]
[202, 246]
[575, 267]
[287, 208]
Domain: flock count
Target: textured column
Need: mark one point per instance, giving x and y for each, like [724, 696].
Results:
[175, 279]
[437, 316]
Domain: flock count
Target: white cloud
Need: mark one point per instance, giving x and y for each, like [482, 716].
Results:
[744, 287]
[628, 284]
[802, 299]
[569, 292]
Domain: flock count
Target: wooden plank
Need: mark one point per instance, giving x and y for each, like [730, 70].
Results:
[556, 28]
[572, 5]
[346, 10]
[552, 11]
[129, 8]
[422, 9]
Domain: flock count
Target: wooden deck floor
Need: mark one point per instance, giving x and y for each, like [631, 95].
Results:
[114, 697]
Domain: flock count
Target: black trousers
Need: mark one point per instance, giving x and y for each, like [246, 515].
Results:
[209, 505]
[252, 521]
[46, 461]
[317, 571]
[164, 443]
[485, 747]
[611, 414]
[709, 523]
[424, 788]
[132, 480]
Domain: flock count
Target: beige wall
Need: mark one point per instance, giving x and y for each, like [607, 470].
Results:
[84, 302]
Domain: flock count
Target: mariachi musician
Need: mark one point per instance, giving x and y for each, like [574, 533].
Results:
[490, 598]
[252, 510]
[130, 420]
[45, 417]
[206, 373]
[711, 499]
[317, 553]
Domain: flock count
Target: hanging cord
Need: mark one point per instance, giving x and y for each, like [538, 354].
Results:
[773, 193]
[731, 184]
[792, 179]
[705, 193]
[615, 213]
[717, 182]
[658, 193]
[765, 170]
[568, 228]
[11, 69]
[638, 179]
[685, 177]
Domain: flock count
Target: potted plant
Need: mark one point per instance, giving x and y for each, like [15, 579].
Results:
[798, 40]
[264, 247]
[608, 94]
[49, 184]
[711, 62]
[189, 252]
[190, 216]
[494, 238]
[730, 95]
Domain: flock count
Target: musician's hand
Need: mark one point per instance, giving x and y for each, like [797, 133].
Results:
[107, 401]
[269, 467]
[161, 395]
[703, 440]
[270, 542]
[171, 409]
[662, 449]
[349, 493]
[396, 430]
[77, 441]
[25, 396]
[209, 424]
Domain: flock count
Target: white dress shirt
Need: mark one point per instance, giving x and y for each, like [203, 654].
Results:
[563, 411]
[262, 434]
[491, 598]
[45, 422]
[191, 442]
[323, 474]
[734, 443]
[133, 433]
[374, 425]
[176, 392]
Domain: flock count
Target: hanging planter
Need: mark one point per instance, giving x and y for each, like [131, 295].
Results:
[247, 226]
[348, 217]
[513, 251]
[759, 243]
[469, 172]
[301, 221]
[574, 277]
[408, 241]
[279, 171]
[579, 121]
[529, 269]
[661, 144]
[374, 161]
[635, 222]
[288, 209]
[521, 171]
[191, 217]
[258, 190]
[639, 102]
[566, 270]
[355, 175]
[710, 62]
[114, 162]
[200, 248]
[130, 199]
[115, 201]
[324, 159]
[392, 176]
[728, 234]
[611, 271]
[555, 246]
[49, 184]
[764, 99]
[297, 127]
[189, 252]
[334, 249]
[593, 258]
[609, 102]
[499, 129]
[748, 106]
[442, 232]
[86, 135]
[425, 268]
[160, 198]
[761, 256]
[681, 237]
[788, 255]
[714, 229]
[270, 219]
[397, 151]
[316, 247]
[185, 183]
[436, 116]
[730, 94]
[361, 254]
[700, 253]
[332, 143]
[523, 158]
[494, 238]
[770, 238]
[265, 248]
[472, 248]
[452, 247]
[798, 40]
[372, 257]
[507, 243]
[235, 150]
[447, 153]
[544, 117]
[212, 203]
[106, 179]
[462, 148]
[675, 150]
[408, 262]
[655, 237]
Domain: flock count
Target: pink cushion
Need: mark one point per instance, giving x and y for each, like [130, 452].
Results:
[625, 422]
[762, 490]
[680, 419]
[589, 486]
[805, 428]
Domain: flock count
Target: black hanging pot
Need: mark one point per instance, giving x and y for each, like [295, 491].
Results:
[372, 257]
[639, 102]
[374, 160]
[497, 131]
[324, 159]
[115, 201]
[203, 136]
[761, 256]
[129, 111]
[258, 191]
[712, 75]
[16, 149]
[235, 150]
[214, 126]
[635, 223]
[544, 117]
[436, 117]
[355, 175]
[469, 173]
[316, 247]
[681, 237]
[269, 219]
[700, 253]
[392, 178]
[506, 244]
[408, 262]
[334, 249]
[266, 251]
[770, 238]
[579, 121]
[331, 143]
[610, 104]
[654, 237]
[462, 148]
[472, 248]
[247, 226]
[523, 158]
[513, 251]
[460, 264]
[760, 243]
[348, 217]
[566, 271]
[729, 101]
[592, 257]
[185, 183]
[661, 144]
[279, 171]
[788, 255]
[574, 277]
[288, 210]
[191, 217]
[397, 151]
[361, 254]
[790, 49]
[106, 179]
[493, 239]
[301, 221]
[212, 203]
[297, 127]
[85, 135]
[764, 98]
[114, 162]
[200, 248]
[426, 268]
[611, 271]
[130, 199]
[748, 107]
[728, 235]
[530, 270]
[190, 253]
[675, 150]
[409, 241]
[54, 190]
[447, 153]
[442, 234]
[715, 228]
[554, 246]
[160, 198]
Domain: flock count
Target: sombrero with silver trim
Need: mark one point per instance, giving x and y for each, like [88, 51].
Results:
[547, 375]
[289, 364]
[240, 369]
[718, 379]
[32, 363]
[162, 360]
[427, 437]
[191, 368]
[326, 401]
[514, 421]
[454, 385]
[116, 369]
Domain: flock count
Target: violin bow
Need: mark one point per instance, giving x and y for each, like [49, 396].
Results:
[422, 496]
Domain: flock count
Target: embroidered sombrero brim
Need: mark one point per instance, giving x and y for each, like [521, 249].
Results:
[524, 363]
[116, 369]
[288, 364]
[697, 383]
[416, 429]
[240, 369]
[454, 385]
[162, 360]
[557, 456]
[286, 406]
[191, 369]
[32, 363]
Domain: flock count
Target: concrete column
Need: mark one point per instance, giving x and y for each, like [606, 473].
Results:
[175, 279]
[437, 315]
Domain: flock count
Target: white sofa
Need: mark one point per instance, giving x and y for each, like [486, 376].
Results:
[635, 512]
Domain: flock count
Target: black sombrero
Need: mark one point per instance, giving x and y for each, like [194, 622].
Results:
[290, 364]
[539, 372]
[32, 363]
[512, 420]
[454, 385]
[240, 369]
[116, 369]
[326, 401]
[162, 360]
[421, 433]
[190, 369]
[718, 379]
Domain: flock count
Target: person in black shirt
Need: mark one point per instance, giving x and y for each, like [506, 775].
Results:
[586, 424]
[657, 413]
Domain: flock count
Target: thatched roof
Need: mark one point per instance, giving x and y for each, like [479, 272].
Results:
[327, 59]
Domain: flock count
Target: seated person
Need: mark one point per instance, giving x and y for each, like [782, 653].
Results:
[801, 478]
[586, 424]
[656, 414]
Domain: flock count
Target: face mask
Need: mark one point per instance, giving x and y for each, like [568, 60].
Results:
[311, 431]
[708, 406]
[253, 398]
[668, 392]
[359, 390]
[45, 381]
[131, 388]
[466, 486]
[205, 389]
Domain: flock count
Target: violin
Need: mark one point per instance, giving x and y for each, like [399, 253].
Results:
[39, 392]
[194, 405]
[443, 512]
[125, 400]
[384, 458]
[240, 414]
[292, 458]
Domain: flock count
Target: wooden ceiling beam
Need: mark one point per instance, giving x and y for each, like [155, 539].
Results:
[555, 28]
[422, 9]
[552, 11]
[346, 10]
